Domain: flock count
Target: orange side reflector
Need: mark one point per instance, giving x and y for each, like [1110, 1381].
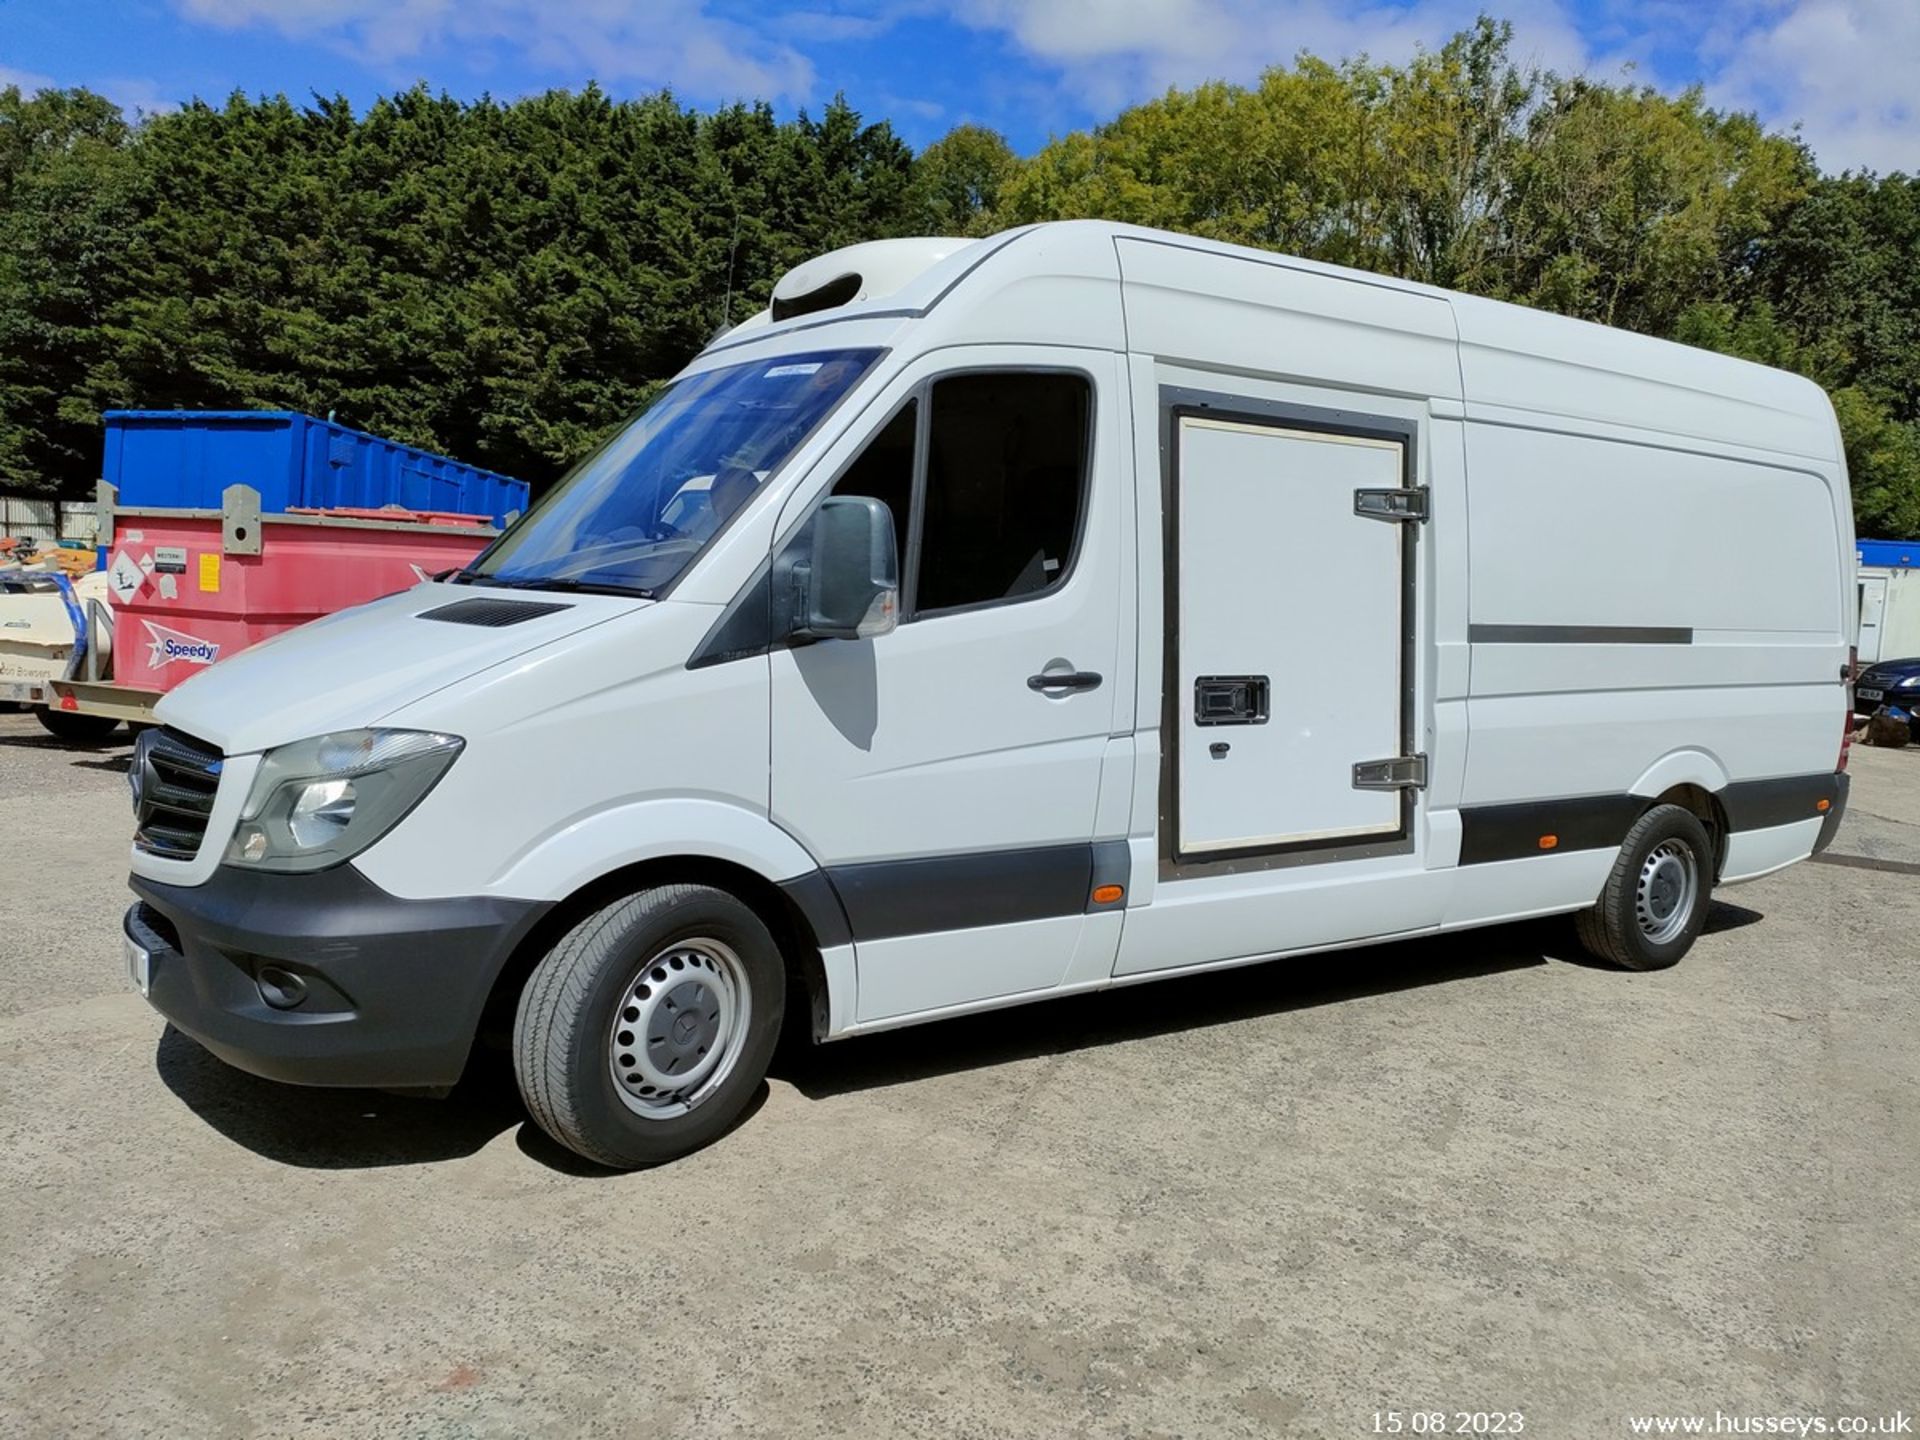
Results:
[1823, 805]
[1547, 842]
[1107, 894]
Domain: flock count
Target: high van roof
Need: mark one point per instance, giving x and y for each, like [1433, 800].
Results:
[1062, 283]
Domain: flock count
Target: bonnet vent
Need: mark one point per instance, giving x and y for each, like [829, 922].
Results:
[821, 297]
[492, 613]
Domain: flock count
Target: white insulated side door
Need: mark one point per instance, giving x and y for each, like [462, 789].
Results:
[1280, 582]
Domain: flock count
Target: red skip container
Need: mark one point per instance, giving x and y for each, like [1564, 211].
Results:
[193, 587]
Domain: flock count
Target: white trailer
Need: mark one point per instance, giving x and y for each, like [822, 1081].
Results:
[998, 620]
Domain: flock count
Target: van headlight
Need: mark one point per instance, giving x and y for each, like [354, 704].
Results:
[317, 802]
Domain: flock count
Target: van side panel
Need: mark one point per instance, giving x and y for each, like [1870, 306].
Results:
[1572, 531]
[1583, 374]
[1233, 312]
[1654, 598]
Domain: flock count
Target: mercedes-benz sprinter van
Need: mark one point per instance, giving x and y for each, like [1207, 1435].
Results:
[995, 620]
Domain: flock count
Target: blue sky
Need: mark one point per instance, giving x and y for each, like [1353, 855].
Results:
[1845, 71]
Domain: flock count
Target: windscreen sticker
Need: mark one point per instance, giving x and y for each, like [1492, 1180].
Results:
[777, 371]
[167, 646]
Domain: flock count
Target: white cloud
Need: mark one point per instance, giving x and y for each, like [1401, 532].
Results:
[134, 95]
[29, 81]
[651, 42]
[137, 96]
[1112, 52]
[1844, 70]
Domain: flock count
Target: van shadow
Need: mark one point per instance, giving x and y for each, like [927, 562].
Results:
[322, 1129]
[319, 1129]
[112, 764]
[1721, 917]
[39, 741]
[1191, 1003]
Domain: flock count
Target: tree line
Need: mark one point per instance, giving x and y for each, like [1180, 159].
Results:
[504, 281]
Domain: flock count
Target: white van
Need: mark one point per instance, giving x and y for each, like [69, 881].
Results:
[997, 620]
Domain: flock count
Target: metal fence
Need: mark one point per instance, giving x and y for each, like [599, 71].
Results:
[46, 521]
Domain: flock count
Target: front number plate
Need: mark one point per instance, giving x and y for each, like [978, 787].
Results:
[1876, 696]
[139, 965]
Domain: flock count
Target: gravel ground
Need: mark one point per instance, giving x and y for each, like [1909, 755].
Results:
[1462, 1174]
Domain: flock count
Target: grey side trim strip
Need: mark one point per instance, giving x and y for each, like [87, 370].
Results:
[1600, 822]
[1112, 865]
[881, 899]
[1580, 634]
[812, 894]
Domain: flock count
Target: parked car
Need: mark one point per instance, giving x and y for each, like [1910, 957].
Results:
[1888, 682]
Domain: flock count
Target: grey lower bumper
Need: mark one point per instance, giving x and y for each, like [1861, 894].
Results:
[1831, 821]
[387, 992]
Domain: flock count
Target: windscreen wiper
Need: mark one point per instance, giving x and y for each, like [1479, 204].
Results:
[567, 585]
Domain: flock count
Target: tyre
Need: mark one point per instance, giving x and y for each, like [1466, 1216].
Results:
[1656, 896]
[645, 1032]
[74, 728]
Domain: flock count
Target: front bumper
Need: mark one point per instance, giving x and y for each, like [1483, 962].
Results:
[389, 991]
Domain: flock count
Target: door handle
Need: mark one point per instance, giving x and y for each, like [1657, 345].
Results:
[1064, 680]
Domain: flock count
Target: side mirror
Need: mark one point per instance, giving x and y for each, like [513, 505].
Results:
[846, 582]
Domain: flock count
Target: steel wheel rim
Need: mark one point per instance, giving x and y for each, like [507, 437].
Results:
[1669, 884]
[679, 1028]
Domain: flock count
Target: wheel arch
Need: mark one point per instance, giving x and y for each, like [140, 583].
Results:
[1694, 780]
[796, 934]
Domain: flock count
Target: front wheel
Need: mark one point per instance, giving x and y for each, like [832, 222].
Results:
[646, 1031]
[1656, 897]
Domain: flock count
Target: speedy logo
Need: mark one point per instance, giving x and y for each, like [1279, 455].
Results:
[168, 646]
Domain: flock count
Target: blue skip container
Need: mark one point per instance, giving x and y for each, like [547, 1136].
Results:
[184, 459]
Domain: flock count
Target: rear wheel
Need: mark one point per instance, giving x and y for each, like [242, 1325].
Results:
[1656, 896]
[75, 728]
[646, 1031]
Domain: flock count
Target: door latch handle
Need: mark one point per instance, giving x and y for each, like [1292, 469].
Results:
[1064, 680]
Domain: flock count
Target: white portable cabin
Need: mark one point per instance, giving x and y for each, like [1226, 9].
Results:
[996, 620]
[1888, 595]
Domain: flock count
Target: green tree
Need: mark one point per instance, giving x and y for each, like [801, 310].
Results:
[505, 280]
[957, 181]
[64, 180]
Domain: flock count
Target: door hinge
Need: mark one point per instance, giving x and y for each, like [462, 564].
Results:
[1402, 772]
[1401, 503]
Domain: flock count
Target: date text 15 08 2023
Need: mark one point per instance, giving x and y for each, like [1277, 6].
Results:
[1449, 1422]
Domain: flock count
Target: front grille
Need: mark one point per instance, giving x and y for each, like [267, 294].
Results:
[174, 780]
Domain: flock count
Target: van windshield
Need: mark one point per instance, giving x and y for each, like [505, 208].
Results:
[636, 513]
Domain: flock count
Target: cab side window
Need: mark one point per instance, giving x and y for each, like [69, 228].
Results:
[1005, 483]
[992, 512]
